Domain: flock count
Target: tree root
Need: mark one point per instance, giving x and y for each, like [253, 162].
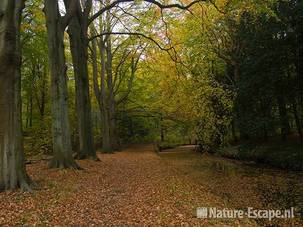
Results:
[87, 156]
[64, 164]
[23, 182]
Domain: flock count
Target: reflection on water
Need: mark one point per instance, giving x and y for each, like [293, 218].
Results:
[286, 193]
[239, 184]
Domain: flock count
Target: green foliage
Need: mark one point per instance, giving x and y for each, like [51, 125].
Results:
[285, 155]
[245, 69]
[38, 140]
[230, 76]
[215, 115]
[267, 65]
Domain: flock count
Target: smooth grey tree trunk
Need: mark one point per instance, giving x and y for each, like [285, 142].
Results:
[111, 105]
[100, 90]
[111, 98]
[12, 165]
[106, 143]
[63, 156]
[77, 31]
[106, 140]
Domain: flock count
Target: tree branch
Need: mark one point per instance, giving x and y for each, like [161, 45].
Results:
[132, 33]
[71, 7]
[160, 5]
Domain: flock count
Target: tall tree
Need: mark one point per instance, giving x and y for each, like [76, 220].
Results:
[56, 25]
[12, 165]
[106, 92]
[77, 31]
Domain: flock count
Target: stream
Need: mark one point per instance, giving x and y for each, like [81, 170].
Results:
[240, 185]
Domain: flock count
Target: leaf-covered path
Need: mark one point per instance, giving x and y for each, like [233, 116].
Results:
[134, 187]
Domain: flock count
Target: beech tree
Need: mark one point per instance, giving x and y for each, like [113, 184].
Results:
[80, 26]
[77, 20]
[77, 31]
[12, 166]
[56, 25]
[116, 70]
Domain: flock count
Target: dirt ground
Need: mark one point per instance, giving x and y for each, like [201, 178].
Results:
[135, 187]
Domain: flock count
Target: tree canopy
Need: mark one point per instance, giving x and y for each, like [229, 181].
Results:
[108, 73]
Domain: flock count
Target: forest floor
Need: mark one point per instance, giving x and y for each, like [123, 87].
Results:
[138, 187]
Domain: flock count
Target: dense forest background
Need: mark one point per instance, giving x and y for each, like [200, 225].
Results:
[221, 73]
[215, 73]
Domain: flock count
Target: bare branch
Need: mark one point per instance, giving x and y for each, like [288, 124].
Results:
[160, 5]
[132, 33]
[134, 68]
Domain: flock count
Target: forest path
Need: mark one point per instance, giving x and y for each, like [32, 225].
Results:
[134, 187]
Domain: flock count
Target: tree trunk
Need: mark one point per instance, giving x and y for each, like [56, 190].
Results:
[31, 108]
[106, 144]
[40, 94]
[27, 111]
[297, 118]
[43, 93]
[285, 128]
[100, 92]
[110, 85]
[29, 104]
[60, 123]
[111, 97]
[78, 40]
[12, 165]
